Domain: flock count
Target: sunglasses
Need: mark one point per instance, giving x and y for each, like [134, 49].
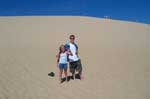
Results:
[72, 38]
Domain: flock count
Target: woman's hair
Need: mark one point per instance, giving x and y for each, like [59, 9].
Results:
[59, 52]
[60, 48]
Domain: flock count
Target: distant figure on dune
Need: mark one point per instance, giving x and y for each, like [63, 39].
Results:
[74, 60]
[62, 61]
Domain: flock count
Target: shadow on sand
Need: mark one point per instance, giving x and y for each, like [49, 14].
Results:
[77, 76]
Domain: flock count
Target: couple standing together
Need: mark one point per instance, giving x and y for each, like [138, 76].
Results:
[69, 53]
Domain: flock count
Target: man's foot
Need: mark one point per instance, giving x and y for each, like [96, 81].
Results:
[73, 77]
[67, 79]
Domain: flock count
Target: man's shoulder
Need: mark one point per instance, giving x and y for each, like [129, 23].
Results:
[76, 45]
[67, 45]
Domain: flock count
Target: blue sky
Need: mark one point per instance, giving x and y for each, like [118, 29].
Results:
[131, 10]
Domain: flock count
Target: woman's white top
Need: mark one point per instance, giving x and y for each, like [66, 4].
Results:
[63, 58]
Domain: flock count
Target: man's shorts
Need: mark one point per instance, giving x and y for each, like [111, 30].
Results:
[63, 66]
[75, 66]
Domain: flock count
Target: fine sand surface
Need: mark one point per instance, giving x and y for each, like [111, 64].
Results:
[115, 57]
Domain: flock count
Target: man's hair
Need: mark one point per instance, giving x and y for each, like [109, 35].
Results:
[72, 35]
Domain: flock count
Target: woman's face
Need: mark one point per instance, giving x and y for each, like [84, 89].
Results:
[62, 49]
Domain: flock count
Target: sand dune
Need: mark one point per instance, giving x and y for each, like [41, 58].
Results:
[115, 57]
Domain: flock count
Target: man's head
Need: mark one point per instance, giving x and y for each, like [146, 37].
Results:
[72, 38]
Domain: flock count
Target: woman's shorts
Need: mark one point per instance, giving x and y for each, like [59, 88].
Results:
[63, 65]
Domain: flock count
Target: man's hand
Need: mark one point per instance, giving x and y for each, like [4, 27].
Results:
[69, 52]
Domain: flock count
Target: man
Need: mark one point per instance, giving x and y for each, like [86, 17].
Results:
[74, 60]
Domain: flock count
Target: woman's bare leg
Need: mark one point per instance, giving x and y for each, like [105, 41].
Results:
[66, 75]
[60, 75]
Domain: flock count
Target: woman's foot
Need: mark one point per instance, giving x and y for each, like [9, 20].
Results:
[61, 80]
[73, 76]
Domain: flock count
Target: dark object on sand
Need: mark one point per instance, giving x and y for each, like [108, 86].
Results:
[52, 74]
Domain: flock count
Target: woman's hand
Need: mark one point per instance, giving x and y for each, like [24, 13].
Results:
[69, 52]
[57, 65]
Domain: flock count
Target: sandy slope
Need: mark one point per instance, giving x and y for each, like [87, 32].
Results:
[115, 57]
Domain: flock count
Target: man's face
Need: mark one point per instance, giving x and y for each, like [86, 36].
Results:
[72, 39]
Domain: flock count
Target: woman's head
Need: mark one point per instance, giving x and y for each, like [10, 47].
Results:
[62, 48]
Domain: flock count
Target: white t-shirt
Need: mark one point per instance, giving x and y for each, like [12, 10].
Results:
[74, 56]
[63, 58]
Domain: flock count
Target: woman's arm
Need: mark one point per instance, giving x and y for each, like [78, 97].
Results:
[57, 57]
